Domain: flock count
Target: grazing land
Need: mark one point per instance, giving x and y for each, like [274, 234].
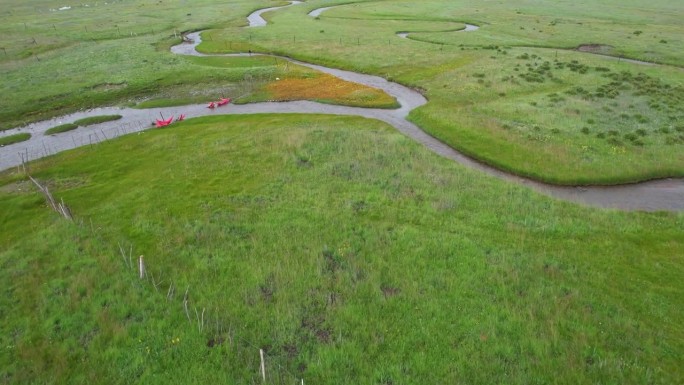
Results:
[552, 113]
[342, 249]
[125, 60]
[346, 250]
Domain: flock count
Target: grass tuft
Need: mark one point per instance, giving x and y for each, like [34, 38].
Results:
[96, 120]
[61, 128]
[16, 138]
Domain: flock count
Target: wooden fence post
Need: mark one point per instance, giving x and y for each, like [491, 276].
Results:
[263, 366]
[141, 266]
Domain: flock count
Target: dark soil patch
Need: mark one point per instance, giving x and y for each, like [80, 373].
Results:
[389, 291]
[291, 350]
[110, 86]
[215, 341]
[603, 49]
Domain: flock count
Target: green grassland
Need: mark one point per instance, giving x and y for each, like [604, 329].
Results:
[348, 252]
[506, 118]
[343, 249]
[651, 33]
[121, 60]
[104, 54]
[553, 114]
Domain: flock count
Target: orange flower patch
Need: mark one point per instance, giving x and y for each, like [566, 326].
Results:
[329, 89]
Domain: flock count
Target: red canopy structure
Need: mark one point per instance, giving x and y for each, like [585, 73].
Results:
[223, 102]
[163, 123]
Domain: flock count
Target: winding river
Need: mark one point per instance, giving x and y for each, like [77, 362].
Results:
[667, 194]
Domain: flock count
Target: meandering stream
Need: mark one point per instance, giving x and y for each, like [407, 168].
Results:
[667, 194]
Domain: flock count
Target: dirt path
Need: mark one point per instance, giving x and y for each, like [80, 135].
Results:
[648, 196]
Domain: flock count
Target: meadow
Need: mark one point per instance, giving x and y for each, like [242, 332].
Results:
[514, 94]
[344, 250]
[553, 114]
[100, 60]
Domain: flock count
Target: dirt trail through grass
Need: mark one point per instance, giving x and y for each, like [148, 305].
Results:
[650, 196]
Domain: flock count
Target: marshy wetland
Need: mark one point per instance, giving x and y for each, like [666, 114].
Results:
[320, 218]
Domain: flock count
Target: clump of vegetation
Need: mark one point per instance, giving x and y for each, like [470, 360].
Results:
[16, 138]
[537, 74]
[61, 128]
[576, 66]
[555, 98]
[640, 118]
[96, 120]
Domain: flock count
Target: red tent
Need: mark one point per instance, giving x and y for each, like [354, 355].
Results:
[223, 102]
[163, 123]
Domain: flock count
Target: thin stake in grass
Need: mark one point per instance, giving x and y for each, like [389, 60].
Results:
[141, 266]
[185, 304]
[25, 162]
[169, 293]
[156, 283]
[198, 320]
[126, 257]
[263, 366]
[202, 325]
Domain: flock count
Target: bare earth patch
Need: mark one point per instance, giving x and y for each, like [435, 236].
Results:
[602, 49]
[110, 86]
